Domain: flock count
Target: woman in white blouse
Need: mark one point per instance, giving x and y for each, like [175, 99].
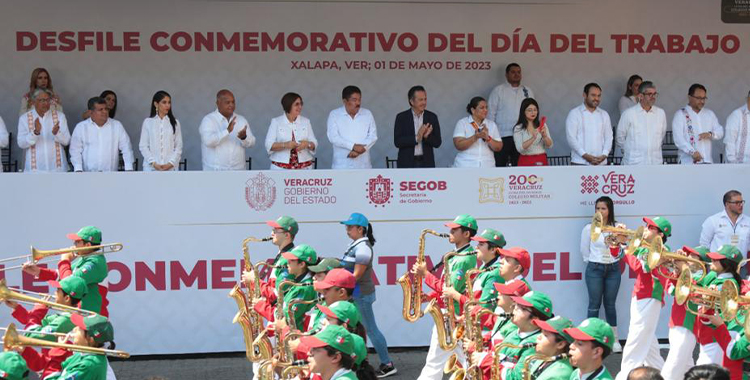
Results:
[161, 138]
[531, 135]
[603, 266]
[631, 93]
[476, 137]
[40, 78]
[290, 141]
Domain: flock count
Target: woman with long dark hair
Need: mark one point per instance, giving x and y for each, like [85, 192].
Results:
[161, 138]
[40, 78]
[632, 96]
[531, 135]
[110, 97]
[603, 274]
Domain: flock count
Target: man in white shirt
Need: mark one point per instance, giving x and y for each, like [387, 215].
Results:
[352, 132]
[224, 136]
[43, 133]
[503, 109]
[97, 140]
[642, 128]
[694, 127]
[729, 226]
[589, 129]
[737, 138]
[4, 139]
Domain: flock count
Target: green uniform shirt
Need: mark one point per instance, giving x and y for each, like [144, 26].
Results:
[459, 266]
[93, 269]
[305, 292]
[603, 375]
[486, 281]
[281, 272]
[351, 375]
[82, 366]
[557, 370]
[517, 355]
[52, 323]
[504, 327]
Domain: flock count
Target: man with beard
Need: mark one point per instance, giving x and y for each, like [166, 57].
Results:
[589, 129]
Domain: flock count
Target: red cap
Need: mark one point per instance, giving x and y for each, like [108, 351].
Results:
[716, 256]
[337, 277]
[272, 223]
[544, 326]
[521, 301]
[54, 284]
[327, 311]
[77, 320]
[690, 250]
[289, 256]
[577, 334]
[73, 236]
[518, 253]
[514, 288]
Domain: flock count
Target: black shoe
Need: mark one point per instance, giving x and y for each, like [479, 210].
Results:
[386, 370]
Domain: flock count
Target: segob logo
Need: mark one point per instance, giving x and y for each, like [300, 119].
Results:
[379, 190]
[260, 192]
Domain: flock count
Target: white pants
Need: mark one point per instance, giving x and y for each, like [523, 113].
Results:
[710, 354]
[437, 357]
[110, 372]
[680, 359]
[642, 347]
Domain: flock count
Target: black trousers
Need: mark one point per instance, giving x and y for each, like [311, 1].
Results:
[508, 156]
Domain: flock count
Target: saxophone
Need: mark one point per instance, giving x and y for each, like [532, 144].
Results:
[526, 370]
[446, 322]
[296, 371]
[250, 321]
[412, 288]
[292, 367]
[266, 370]
[475, 334]
[496, 366]
[463, 328]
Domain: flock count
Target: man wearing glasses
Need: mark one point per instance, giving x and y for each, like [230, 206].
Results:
[642, 128]
[43, 133]
[694, 127]
[729, 226]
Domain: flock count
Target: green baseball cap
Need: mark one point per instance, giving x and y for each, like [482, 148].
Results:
[344, 311]
[325, 265]
[727, 251]
[334, 336]
[88, 234]
[593, 329]
[700, 251]
[74, 286]
[360, 349]
[463, 220]
[302, 252]
[538, 300]
[662, 224]
[491, 236]
[556, 325]
[286, 223]
[12, 366]
[96, 326]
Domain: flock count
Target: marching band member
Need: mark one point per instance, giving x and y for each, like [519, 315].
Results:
[343, 313]
[489, 243]
[733, 341]
[642, 347]
[531, 307]
[12, 366]
[88, 265]
[592, 344]
[683, 325]
[331, 353]
[94, 331]
[462, 229]
[552, 342]
[358, 260]
[321, 270]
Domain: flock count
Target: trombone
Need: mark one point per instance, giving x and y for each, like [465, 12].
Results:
[7, 294]
[38, 254]
[59, 335]
[636, 236]
[11, 340]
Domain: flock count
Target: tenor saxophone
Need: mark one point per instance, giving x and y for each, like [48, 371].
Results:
[496, 366]
[445, 323]
[412, 287]
[526, 370]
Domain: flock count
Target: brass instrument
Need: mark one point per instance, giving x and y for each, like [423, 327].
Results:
[266, 370]
[40, 332]
[526, 370]
[742, 264]
[454, 369]
[598, 227]
[672, 261]
[445, 323]
[294, 371]
[37, 254]
[474, 372]
[412, 287]
[286, 357]
[11, 340]
[292, 323]
[495, 369]
[703, 298]
[7, 294]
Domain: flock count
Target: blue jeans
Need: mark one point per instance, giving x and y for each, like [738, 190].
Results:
[603, 281]
[364, 303]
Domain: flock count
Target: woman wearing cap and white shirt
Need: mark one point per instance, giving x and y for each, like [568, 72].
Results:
[476, 137]
[290, 141]
[358, 260]
[161, 137]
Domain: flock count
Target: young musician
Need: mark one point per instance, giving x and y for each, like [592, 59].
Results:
[593, 343]
[489, 243]
[462, 229]
[12, 366]
[331, 353]
[553, 343]
[94, 331]
[642, 348]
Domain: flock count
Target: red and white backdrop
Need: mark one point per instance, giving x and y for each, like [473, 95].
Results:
[182, 232]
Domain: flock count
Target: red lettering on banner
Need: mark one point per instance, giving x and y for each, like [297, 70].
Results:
[391, 267]
[125, 276]
[544, 266]
[436, 42]
[157, 278]
[178, 275]
[219, 273]
[565, 273]
[26, 41]
[155, 41]
[30, 283]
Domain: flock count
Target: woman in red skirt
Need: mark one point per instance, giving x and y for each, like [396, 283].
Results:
[531, 136]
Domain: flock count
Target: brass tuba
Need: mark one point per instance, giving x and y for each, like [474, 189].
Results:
[526, 370]
[412, 287]
[496, 366]
[11, 340]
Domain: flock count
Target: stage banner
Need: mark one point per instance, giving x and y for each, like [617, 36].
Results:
[168, 287]
[457, 50]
